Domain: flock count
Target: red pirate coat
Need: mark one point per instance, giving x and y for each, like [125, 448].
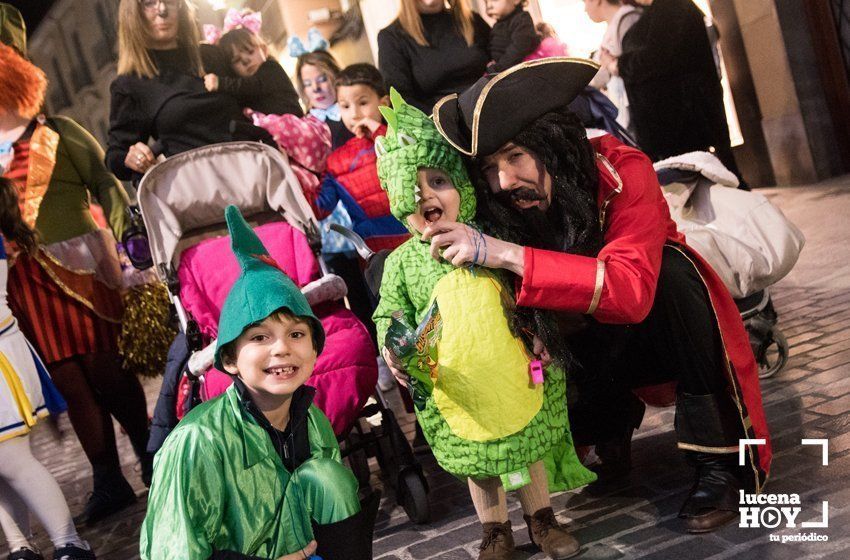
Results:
[618, 285]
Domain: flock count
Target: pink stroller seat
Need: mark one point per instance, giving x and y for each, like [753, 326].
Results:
[345, 373]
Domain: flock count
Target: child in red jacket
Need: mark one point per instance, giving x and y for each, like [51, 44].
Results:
[351, 176]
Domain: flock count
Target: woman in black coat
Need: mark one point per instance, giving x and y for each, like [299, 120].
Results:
[675, 96]
[159, 92]
[429, 51]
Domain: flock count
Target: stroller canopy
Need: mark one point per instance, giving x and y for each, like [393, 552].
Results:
[189, 192]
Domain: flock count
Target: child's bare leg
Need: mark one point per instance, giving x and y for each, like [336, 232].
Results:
[535, 496]
[488, 497]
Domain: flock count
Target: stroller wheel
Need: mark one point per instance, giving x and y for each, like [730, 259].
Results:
[412, 495]
[358, 460]
[773, 355]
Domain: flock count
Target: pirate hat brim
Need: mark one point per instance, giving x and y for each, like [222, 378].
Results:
[496, 108]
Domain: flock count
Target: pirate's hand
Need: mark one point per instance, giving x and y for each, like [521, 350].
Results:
[459, 244]
[395, 365]
[540, 352]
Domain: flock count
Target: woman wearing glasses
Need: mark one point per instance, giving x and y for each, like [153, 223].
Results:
[159, 92]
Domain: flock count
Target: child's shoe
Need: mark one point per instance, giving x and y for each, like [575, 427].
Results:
[498, 542]
[25, 554]
[71, 551]
[546, 532]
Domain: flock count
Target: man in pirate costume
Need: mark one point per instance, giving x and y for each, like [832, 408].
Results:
[584, 226]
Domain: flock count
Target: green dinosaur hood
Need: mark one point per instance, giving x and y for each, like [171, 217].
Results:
[411, 142]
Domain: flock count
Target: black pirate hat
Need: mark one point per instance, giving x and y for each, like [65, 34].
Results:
[497, 107]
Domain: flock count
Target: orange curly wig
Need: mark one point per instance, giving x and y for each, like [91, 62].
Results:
[22, 84]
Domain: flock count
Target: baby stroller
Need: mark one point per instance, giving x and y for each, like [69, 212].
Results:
[747, 241]
[182, 202]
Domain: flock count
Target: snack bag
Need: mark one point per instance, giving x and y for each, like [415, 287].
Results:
[417, 349]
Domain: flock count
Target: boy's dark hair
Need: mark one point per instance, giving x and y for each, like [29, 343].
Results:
[12, 224]
[364, 74]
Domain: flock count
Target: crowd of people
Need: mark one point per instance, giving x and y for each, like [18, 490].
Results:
[525, 266]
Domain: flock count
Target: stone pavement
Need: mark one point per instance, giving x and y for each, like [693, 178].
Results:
[635, 517]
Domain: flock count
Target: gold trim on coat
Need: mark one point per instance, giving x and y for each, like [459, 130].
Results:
[603, 210]
[67, 289]
[44, 144]
[597, 290]
[705, 449]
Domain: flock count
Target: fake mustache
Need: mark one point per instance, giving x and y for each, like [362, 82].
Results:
[522, 193]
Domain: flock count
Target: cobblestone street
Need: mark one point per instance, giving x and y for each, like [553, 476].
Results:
[637, 516]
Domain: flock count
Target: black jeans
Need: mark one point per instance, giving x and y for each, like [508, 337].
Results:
[678, 340]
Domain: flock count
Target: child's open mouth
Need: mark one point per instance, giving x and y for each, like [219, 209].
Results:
[432, 215]
[282, 372]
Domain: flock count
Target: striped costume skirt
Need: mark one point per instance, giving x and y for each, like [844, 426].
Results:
[62, 312]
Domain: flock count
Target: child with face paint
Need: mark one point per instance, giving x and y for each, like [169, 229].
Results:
[488, 411]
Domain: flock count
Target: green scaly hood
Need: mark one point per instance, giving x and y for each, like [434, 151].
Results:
[412, 141]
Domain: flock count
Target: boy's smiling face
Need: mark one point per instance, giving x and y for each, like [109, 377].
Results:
[273, 358]
[440, 200]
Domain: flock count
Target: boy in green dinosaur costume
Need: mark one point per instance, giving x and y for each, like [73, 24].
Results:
[482, 413]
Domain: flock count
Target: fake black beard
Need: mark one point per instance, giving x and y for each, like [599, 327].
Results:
[543, 230]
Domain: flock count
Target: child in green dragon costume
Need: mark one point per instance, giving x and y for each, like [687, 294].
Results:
[485, 416]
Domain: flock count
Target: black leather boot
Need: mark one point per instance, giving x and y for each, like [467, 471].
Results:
[713, 499]
[351, 538]
[709, 429]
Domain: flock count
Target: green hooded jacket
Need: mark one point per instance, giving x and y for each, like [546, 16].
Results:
[219, 483]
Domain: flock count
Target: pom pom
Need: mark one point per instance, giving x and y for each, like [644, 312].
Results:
[147, 330]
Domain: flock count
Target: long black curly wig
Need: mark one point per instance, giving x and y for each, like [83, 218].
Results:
[570, 224]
